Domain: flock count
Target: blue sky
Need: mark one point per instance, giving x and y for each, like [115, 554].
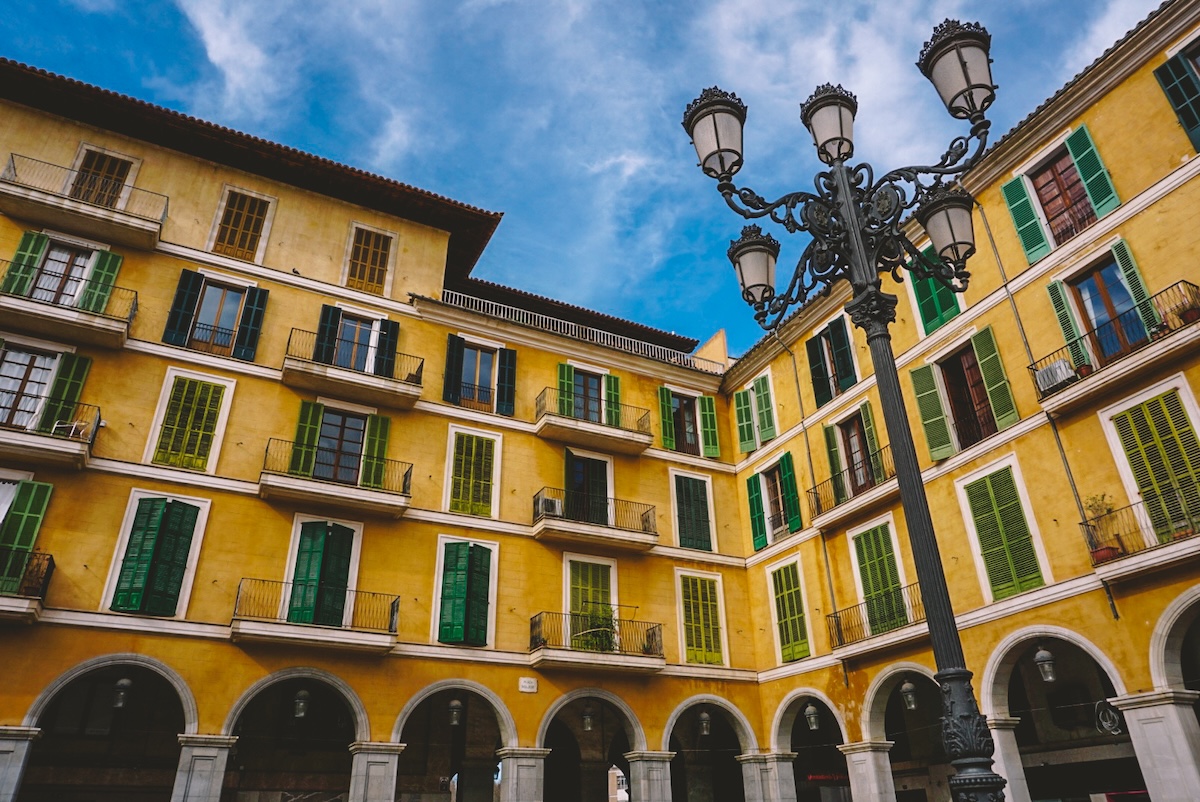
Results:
[564, 114]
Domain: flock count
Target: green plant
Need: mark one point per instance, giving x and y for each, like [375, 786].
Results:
[1098, 505]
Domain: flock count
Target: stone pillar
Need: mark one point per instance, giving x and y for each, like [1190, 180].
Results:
[522, 773]
[870, 771]
[769, 778]
[649, 776]
[201, 769]
[14, 754]
[1166, 740]
[1008, 758]
[373, 772]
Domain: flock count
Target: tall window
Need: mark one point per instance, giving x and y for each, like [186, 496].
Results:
[189, 424]
[789, 613]
[831, 361]
[100, 179]
[593, 618]
[1180, 80]
[701, 619]
[855, 460]
[1113, 318]
[369, 256]
[685, 424]
[689, 423]
[354, 343]
[774, 501]
[586, 489]
[1005, 540]
[691, 513]
[241, 226]
[60, 273]
[24, 383]
[472, 474]
[364, 345]
[1062, 196]
[880, 580]
[334, 445]
[969, 405]
[156, 557]
[321, 578]
[22, 506]
[480, 377]
[588, 395]
[755, 413]
[773, 482]
[465, 593]
[477, 377]
[216, 317]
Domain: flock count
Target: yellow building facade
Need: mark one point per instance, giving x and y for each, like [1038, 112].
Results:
[296, 508]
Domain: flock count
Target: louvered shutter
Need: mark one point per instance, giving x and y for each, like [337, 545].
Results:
[245, 341]
[1005, 542]
[19, 531]
[691, 502]
[506, 382]
[1182, 86]
[170, 559]
[328, 327]
[471, 480]
[880, 580]
[666, 416]
[789, 613]
[837, 474]
[566, 390]
[308, 430]
[936, 303]
[874, 456]
[1096, 180]
[791, 494]
[479, 561]
[99, 286]
[306, 577]
[1067, 324]
[701, 620]
[24, 265]
[189, 424]
[1025, 217]
[817, 369]
[139, 555]
[933, 416]
[1136, 286]
[995, 380]
[452, 380]
[335, 576]
[374, 468]
[765, 408]
[385, 349]
[843, 359]
[64, 392]
[708, 426]
[612, 400]
[1161, 446]
[452, 619]
[758, 517]
[183, 308]
[745, 421]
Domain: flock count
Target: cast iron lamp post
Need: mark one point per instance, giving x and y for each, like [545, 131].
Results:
[855, 222]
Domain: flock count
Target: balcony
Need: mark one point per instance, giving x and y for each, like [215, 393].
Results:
[45, 431]
[1157, 532]
[588, 423]
[867, 480]
[64, 307]
[574, 517]
[24, 579]
[595, 641]
[869, 624]
[1078, 370]
[350, 369]
[83, 203]
[308, 474]
[310, 614]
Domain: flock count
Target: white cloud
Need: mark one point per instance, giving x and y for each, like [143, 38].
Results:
[95, 6]
[1102, 31]
[393, 142]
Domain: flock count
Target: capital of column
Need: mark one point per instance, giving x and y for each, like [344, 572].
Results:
[377, 747]
[866, 746]
[663, 757]
[522, 751]
[211, 741]
[1155, 699]
[20, 733]
[1003, 722]
[767, 757]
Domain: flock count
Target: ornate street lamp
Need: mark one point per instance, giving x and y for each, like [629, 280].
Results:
[855, 223]
[813, 716]
[1044, 661]
[908, 692]
[455, 709]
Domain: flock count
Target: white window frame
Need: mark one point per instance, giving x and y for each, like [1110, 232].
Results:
[482, 344]
[1035, 162]
[390, 271]
[767, 576]
[1096, 255]
[268, 220]
[160, 412]
[568, 557]
[497, 451]
[436, 606]
[851, 534]
[708, 494]
[11, 477]
[679, 574]
[135, 165]
[28, 344]
[289, 569]
[375, 319]
[69, 241]
[609, 479]
[960, 490]
[136, 494]
[695, 396]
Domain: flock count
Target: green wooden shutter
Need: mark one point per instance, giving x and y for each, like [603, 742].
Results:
[612, 399]
[452, 619]
[843, 358]
[170, 559]
[1005, 542]
[479, 562]
[745, 421]
[385, 349]
[1066, 323]
[880, 580]
[789, 613]
[837, 474]
[591, 586]
[471, 479]
[306, 577]
[666, 415]
[1134, 283]
[701, 620]
[190, 424]
[875, 458]
[566, 390]
[936, 303]
[374, 468]
[791, 494]
[1161, 446]
[453, 379]
[139, 555]
[995, 380]
[1182, 87]
[933, 416]
[19, 531]
[691, 504]
[334, 580]
[308, 430]
[1025, 217]
[765, 408]
[99, 286]
[245, 341]
[1096, 180]
[19, 278]
[708, 426]
[818, 370]
[64, 393]
[329, 325]
[183, 308]
[758, 517]
[506, 382]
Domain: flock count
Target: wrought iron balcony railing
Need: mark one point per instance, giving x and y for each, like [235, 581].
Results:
[50, 416]
[593, 410]
[289, 458]
[25, 573]
[356, 356]
[882, 613]
[315, 603]
[844, 485]
[1155, 318]
[1157, 520]
[84, 187]
[68, 291]
[598, 630]
[552, 502]
[475, 396]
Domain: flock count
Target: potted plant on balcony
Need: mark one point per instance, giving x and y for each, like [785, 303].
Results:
[1098, 507]
[1084, 369]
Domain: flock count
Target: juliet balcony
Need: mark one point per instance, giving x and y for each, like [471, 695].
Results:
[574, 517]
[352, 369]
[24, 580]
[66, 306]
[596, 640]
[345, 480]
[1157, 532]
[313, 614]
[1144, 338]
[36, 430]
[883, 620]
[868, 481]
[84, 202]
[591, 423]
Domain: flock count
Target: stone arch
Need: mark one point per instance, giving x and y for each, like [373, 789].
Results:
[875, 701]
[741, 724]
[504, 719]
[633, 731]
[191, 718]
[362, 727]
[1166, 641]
[785, 717]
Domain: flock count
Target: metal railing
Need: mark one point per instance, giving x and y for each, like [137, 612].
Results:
[593, 410]
[1170, 310]
[212, 339]
[84, 187]
[597, 630]
[585, 333]
[844, 485]
[25, 573]
[57, 289]
[316, 604]
[49, 416]
[289, 458]
[475, 396]
[356, 356]
[552, 502]
[1157, 520]
[882, 613]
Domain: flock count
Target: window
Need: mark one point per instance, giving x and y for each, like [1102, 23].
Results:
[100, 179]
[369, 255]
[1005, 540]
[473, 473]
[1068, 190]
[242, 222]
[61, 273]
[465, 600]
[978, 400]
[774, 501]
[880, 580]
[755, 414]
[359, 343]
[831, 361]
[333, 445]
[215, 316]
[693, 523]
[156, 557]
[689, 423]
[321, 578]
[480, 376]
[789, 613]
[855, 462]
[592, 612]
[191, 415]
[586, 489]
[22, 506]
[40, 390]
[589, 395]
[701, 602]
[937, 304]
[1180, 81]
